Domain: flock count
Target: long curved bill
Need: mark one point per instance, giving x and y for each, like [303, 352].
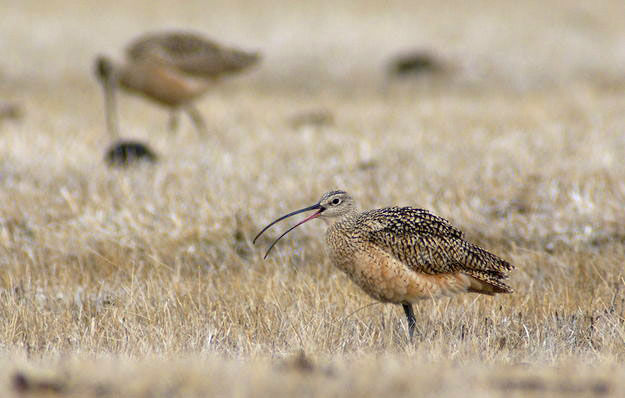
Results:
[312, 216]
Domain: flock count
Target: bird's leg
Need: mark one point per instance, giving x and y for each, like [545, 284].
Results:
[412, 321]
[173, 123]
[197, 119]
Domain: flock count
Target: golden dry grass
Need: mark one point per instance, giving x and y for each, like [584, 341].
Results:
[144, 282]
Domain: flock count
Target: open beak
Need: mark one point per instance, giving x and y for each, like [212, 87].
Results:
[317, 207]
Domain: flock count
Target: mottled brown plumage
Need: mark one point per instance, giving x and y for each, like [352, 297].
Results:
[190, 54]
[402, 254]
[173, 69]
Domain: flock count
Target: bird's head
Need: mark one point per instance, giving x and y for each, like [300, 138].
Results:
[335, 204]
[332, 205]
[103, 68]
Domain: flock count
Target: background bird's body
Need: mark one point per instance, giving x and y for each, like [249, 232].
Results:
[190, 54]
[174, 69]
[162, 84]
[402, 255]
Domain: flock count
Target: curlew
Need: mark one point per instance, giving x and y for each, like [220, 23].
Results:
[402, 255]
[171, 68]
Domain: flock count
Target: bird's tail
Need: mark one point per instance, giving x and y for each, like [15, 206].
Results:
[238, 60]
[485, 283]
[486, 269]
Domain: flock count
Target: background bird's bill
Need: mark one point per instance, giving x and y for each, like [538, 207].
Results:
[317, 207]
[110, 104]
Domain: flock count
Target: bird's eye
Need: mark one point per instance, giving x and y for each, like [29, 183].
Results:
[336, 201]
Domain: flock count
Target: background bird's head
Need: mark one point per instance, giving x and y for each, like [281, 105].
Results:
[103, 68]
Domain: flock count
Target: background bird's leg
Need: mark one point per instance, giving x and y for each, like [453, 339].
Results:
[174, 120]
[412, 322]
[197, 119]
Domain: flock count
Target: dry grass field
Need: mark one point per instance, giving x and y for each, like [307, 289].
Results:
[143, 282]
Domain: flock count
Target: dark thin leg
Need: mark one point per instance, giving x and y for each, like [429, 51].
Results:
[197, 119]
[412, 321]
[173, 121]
